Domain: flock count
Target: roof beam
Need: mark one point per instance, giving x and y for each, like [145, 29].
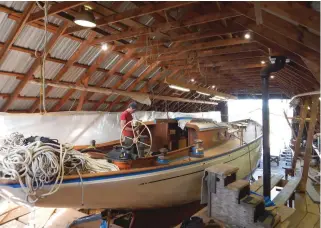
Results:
[139, 79]
[33, 68]
[73, 86]
[130, 14]
[169, 26]
[218, 58]
[55, 8]
[81, 49]
[81, 80]
[214, 52]
[294, 12]
[14, 33]
[219, 30]
[192, 47]
[296, 33]
[283, 41]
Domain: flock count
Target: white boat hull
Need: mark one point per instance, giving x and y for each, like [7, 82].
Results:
[160, 187]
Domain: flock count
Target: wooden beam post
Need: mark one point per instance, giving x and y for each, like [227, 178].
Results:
[308, 148]
[303, 115]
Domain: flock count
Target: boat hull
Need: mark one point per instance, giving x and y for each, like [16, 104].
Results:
[158, 187]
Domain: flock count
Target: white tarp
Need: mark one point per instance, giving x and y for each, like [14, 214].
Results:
[79, 128]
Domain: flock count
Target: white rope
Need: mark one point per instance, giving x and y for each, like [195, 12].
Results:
[38, 164]
[44, 40]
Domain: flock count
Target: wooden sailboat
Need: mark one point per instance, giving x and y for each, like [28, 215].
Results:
[160, 180]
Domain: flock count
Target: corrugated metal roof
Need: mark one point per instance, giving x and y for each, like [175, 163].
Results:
[2, 102]
[31, 37]
[107, 4]
[16, 5]
[110, 61]
[68, 105]
[112, 97]
[8, 84]
[103, 107]
[116, 107]
[21, 104]
[126, 6]
[115, 27]
[6, 26]
[111, 81]
[153, 73]
[139, 86]
[30, 90]
[73, 74]
[127, 83]
[16, 61]
[147, 20]
[57, 92]
[50, 104]
[64, 48]
[124, 99]
[126, 66]
[141, 69]
[55, 20]
[95, 77]
[76, 94]
[87, 106]
[82, 34]
[90, 55]
[51, 70]
[96, 96]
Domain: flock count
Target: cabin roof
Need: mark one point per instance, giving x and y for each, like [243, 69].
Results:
[149, 41]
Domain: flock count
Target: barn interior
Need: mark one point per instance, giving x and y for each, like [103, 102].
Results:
[191, 85]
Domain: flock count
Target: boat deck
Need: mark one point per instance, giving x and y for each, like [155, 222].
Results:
[248, 136]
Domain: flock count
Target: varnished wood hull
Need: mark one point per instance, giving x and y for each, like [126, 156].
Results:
[153, 187]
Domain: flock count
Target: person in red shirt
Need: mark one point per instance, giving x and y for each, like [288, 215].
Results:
[126, 117]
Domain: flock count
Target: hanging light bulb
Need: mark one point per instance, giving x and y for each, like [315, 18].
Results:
[247, 36]
[262, 62]
[272, 76]
[85, 18]
[192, 80]
[104, 47]
[213, 86]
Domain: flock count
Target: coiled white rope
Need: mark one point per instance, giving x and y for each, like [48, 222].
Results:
[38, 164]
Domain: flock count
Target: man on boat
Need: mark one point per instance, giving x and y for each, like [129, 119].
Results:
[125, 117]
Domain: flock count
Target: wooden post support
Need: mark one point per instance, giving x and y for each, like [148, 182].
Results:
[308, 148]
[303, 115]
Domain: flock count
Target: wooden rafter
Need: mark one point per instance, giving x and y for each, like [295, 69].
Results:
[32, 69]
[81, 49]
[15, 32]
[139, 79]
[294, 32]
[294, 12]
[73, 86]
[85, 76]
[56, 8]
[141, 11]
[169, 26]
[192, 47]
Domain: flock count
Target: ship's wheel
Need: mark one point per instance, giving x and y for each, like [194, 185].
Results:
[138, 128]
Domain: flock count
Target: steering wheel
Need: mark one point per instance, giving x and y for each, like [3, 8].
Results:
[135, 139]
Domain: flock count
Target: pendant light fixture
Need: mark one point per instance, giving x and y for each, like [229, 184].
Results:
[86, 17]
